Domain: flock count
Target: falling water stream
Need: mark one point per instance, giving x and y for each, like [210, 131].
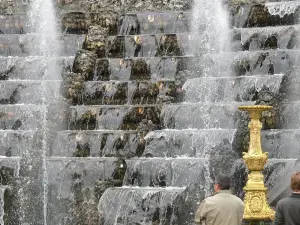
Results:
[43, 23]
[210, 36]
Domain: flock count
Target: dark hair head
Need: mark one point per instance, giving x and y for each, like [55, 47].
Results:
[224, 181]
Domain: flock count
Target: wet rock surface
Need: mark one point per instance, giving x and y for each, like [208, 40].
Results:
[271, 119]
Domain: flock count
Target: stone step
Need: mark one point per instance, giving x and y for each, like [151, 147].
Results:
[78, 22]
[67, 22]
[281, 143]
[164, 172]
[256, 38]
[170, 44]
[20, 117]
[289, 116]
[14, 24]
[13, 143]
[226, 89]
[292, 88]
[229, 64]
[241, 15]
[265, 14]
[24, 45]
[206, 115]
[250, 63]
[29, 91]
[114, 117]
[63, 171]
[129, 203]
[77, 17]
[9, 169]
[120, 92]
[177, 22]
[156, 45]
[31, 117]
[32, 68]
[187, 142]
[147, 22]
[78, 182]
[129, 6]
[153, 68]
[201, 115]
[98, 143]
[154, 23]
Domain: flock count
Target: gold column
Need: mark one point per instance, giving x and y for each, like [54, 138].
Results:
[256, 205]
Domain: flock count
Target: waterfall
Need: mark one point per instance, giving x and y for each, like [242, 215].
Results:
[43, 23]
[210, 33]
[210, 37]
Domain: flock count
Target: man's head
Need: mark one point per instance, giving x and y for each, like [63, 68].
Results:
[222, 182]
[295, 182]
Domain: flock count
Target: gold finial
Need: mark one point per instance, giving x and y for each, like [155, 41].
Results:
[256, 205]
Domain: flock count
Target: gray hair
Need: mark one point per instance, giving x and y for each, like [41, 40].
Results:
[224, 181]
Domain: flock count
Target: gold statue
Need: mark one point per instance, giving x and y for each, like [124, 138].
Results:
[256, 205]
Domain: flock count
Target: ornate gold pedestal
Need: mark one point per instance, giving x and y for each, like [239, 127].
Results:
[256, 206]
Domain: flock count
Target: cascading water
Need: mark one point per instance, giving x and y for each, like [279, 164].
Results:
[139, 69]
[209, 33]
[168, 172]
[43, 24]
[210, 37]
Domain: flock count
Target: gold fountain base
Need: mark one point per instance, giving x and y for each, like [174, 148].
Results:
[256, 205]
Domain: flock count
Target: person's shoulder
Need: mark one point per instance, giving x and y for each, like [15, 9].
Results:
[284, 201]
[237, 199]
[210, 200]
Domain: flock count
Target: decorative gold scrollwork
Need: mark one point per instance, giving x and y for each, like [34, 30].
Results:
[256, 205]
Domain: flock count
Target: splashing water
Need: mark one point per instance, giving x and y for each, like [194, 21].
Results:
[282, 9]
[43, 24]
[210, 28]
[210, 35]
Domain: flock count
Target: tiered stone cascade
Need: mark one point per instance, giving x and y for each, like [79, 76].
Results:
[200, 139]
[126, 125]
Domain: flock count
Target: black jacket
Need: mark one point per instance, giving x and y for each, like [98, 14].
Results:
[288, 211]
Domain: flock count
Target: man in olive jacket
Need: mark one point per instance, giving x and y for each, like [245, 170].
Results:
[288, 209]
[222, 208]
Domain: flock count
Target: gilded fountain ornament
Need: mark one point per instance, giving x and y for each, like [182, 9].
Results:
[256, 205]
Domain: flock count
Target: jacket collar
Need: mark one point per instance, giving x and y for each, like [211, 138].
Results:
[295, 195]
[223, 192]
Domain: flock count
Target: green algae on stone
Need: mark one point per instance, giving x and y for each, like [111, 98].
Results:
[73, 83]
[88, 120]
[95, 40]
[82, 150]
[84, 63]
[74, 23]
[168, 46]
[7, 7]
[140, 70]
